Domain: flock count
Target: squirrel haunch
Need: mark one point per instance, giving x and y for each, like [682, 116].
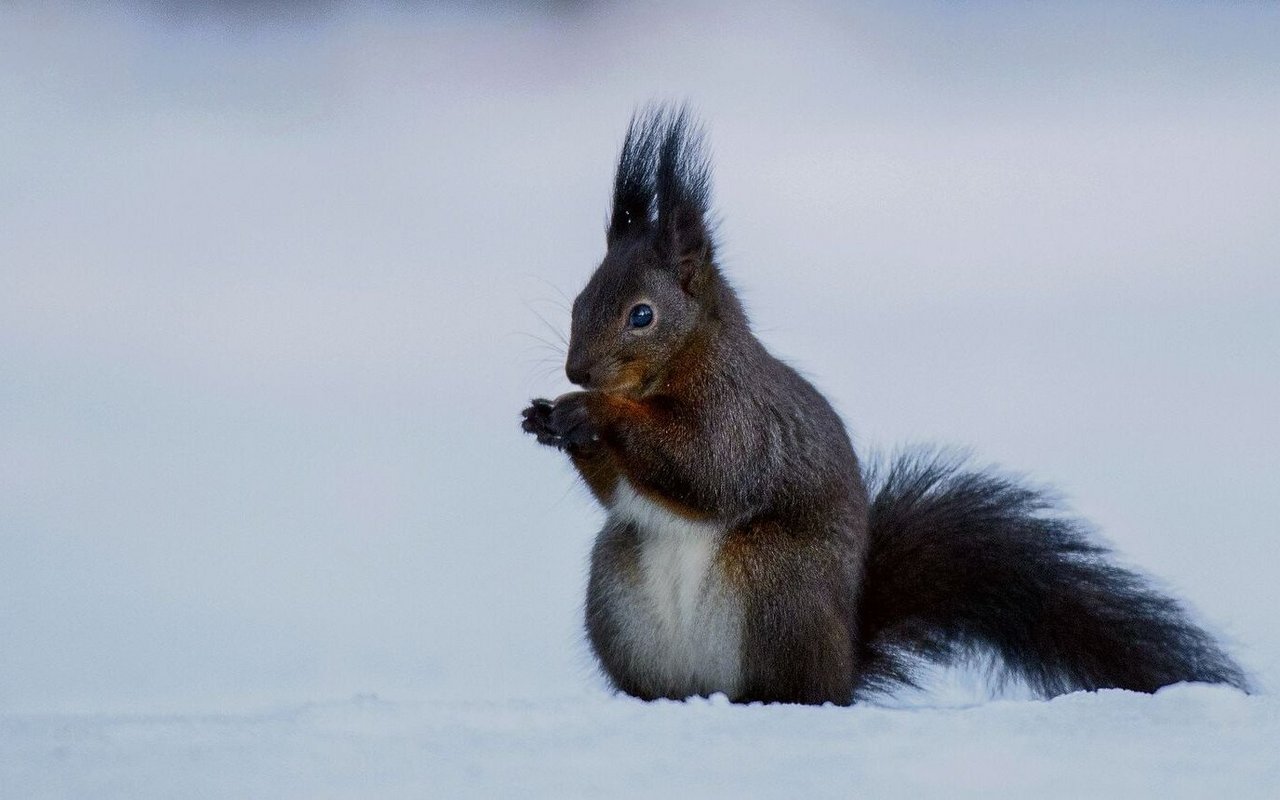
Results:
[743, 553]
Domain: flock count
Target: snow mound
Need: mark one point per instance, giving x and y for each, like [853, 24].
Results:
[1185, 741]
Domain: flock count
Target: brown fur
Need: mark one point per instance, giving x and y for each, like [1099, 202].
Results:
[753, 522]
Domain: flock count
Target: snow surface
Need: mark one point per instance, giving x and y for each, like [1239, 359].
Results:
[1187, 741]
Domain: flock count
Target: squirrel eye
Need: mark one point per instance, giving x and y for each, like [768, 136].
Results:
[640, 316]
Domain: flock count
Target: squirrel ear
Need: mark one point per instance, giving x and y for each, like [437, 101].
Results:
[682, 183]
[688, 245]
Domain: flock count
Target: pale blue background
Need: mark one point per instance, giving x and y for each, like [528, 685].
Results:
[269, 287]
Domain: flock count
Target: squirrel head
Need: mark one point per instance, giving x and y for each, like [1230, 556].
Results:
[657, 291]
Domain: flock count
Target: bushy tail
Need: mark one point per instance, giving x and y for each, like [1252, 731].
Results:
[965, 561]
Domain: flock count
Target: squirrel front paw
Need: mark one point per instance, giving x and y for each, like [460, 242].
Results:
[563, 423]
[537, 420]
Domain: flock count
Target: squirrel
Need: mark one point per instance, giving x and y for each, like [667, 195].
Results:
[744, 552]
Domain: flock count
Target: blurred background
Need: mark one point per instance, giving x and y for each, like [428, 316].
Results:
[276, 281]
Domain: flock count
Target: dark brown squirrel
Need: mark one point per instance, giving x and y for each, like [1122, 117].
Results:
[743, 552]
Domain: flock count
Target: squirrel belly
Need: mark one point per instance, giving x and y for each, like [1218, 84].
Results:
[661, 613]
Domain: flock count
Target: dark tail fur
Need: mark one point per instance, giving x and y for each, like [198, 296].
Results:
[964, 562]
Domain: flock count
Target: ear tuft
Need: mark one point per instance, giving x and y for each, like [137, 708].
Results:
[634, 192]
[663, 186]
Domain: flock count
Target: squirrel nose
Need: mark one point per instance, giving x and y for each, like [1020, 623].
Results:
[577, 373]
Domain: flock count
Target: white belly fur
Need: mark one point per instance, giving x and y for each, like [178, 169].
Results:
[681, 623]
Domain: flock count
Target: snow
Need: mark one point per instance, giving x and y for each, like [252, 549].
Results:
[271, 281]
[1189, 741]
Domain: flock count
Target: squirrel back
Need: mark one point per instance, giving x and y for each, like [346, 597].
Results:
[742, 554]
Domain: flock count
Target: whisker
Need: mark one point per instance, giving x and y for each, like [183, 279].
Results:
[568, 303]
[558, 346]
[553, 329]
